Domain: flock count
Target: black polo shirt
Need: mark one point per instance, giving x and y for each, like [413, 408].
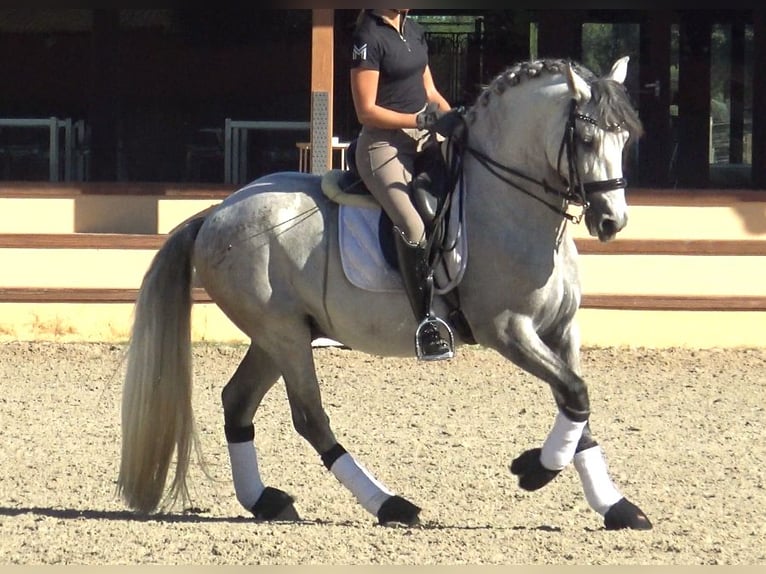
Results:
[401, 60]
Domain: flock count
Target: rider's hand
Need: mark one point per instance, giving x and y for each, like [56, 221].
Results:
[428, 117]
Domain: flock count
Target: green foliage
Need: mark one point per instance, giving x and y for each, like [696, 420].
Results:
[602, 44]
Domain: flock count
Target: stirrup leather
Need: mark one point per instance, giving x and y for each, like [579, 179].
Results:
[445, 349]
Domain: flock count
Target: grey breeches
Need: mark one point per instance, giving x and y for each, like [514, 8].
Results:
[385, 161]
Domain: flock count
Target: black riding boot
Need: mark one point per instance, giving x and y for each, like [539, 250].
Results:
[418, 283]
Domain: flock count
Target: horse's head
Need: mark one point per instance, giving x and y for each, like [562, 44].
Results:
[578, 159]
[601, 122]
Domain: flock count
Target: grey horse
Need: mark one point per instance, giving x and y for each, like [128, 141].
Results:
[543, 139]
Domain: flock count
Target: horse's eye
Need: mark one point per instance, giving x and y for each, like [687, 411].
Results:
[587, 137]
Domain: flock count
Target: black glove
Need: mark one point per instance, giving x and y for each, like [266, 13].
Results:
[449, 123]
[428, 117]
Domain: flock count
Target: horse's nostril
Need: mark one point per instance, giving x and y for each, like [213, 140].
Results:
[609, 227]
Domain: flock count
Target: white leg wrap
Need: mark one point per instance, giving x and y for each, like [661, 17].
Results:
[560, 446]
[244, 471]
[370, 493]
[600, 491]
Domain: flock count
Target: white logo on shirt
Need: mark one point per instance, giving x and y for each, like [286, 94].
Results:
[359, 52]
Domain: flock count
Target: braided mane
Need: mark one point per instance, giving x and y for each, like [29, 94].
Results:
[611, 100]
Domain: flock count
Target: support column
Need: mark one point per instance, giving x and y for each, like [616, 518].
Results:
[321, 90]
[759, 101]
[656, 148]
[694, 99]
[737, 93]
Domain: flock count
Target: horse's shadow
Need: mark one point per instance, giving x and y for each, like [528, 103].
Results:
[195, 516]
[190, 516]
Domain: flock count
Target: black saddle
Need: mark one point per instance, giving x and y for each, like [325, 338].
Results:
[433, 182]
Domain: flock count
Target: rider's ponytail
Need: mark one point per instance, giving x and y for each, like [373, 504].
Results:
[360, 17]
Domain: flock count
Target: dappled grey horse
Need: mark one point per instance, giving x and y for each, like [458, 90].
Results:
[543, 148]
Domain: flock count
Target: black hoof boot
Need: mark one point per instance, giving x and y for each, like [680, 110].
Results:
[275, 504]
[625, 514]
[397, 510]
[532, 474]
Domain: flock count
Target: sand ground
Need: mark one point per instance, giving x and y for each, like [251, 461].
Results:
[683, 432]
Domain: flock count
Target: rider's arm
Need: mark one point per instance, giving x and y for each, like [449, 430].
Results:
[432, 94]
[364, 90]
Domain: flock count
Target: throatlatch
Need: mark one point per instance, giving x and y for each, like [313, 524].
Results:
[418, 280]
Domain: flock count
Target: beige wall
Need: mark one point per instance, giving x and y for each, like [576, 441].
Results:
[97, 322]
[662, 216]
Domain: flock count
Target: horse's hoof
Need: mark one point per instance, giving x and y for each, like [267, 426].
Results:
[397, 510]
[625, 514]
[532, 474]
[275, 504]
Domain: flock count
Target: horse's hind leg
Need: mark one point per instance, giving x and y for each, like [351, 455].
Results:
[241, 397]
[312, 423]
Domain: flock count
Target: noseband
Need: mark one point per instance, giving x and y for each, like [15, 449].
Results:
[575, 190]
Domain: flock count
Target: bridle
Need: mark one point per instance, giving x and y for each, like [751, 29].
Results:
[575, 191]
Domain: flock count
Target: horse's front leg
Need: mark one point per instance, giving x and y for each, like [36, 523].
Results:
[519, 342]
[570, 438]
[600, 491]
[537, 467]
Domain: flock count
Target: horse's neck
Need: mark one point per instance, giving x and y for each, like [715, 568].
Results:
[512, 238]
[502, 210]
[519, 129]
[518, 199]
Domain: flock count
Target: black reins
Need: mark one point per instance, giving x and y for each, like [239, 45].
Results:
[575, 190]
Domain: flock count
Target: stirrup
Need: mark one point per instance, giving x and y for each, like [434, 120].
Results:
[448, 348]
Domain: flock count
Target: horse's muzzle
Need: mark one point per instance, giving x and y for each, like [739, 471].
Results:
[605, 224]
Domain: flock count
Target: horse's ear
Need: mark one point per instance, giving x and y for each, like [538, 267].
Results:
[619, 70]
[578, 87]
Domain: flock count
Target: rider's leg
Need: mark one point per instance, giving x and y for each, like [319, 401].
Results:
[418, 283]
[385, 161]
